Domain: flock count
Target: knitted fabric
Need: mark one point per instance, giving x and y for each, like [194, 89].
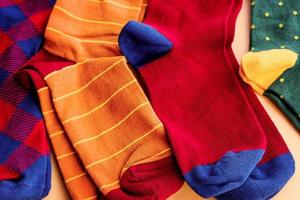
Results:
[275, 25]
[104, 131]
[24, 151]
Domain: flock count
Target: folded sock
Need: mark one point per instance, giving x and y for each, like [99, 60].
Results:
[123, 148]
[24, 152]
[200, 103]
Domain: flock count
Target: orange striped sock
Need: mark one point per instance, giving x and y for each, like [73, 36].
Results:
[77, 180]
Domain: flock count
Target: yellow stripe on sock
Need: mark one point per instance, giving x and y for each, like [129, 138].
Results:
[86, 20]
[116, 4]
[66, 68]
[80, 40]
[47, 112]
[73, 66]
[140, 162]
[112, 128]
[90, 198]
[109, 185]
[99, 106]
[42, 89]
[124, 149]
[65, 155]
[88, 83]
[74, 177]
[56, 133]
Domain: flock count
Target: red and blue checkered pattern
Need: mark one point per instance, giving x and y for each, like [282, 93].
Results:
[23, 141]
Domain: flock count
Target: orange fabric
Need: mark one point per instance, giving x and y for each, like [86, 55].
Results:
[98, 118]
[71, 166]
[112, 130]
[89, 29]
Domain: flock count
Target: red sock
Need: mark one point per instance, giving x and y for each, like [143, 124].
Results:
[277, 165]
[215, 134]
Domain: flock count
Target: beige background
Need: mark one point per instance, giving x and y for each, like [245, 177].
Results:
[241, 45]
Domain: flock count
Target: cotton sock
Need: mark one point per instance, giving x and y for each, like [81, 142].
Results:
[275, 32]
[267, 71]
[124, 148]
[200, 103]
[42, 63]
[24, 152]
[277, 165]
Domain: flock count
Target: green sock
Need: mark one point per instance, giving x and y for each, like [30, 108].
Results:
[275, 44]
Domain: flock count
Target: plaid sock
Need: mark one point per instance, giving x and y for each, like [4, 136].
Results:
[24, 151]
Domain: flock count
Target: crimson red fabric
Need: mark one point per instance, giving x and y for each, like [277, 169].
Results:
[40, 65]
[193, 89]
[153, 178]
[276, 145]
[46, 63]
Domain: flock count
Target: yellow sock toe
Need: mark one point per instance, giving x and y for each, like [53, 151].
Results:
[261, 69]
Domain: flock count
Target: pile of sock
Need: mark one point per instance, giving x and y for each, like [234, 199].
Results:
[181, 113]
[104, 132]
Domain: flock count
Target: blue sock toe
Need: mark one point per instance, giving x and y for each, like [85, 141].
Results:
[31, 185]
[140, 43]
[265, 181]
[231, 171]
